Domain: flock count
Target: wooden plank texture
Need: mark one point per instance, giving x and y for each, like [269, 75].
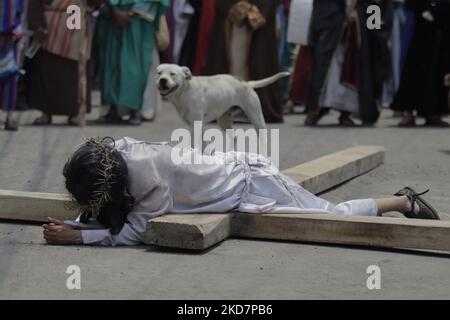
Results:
[348, 230]
[34, 206]
[188, 231]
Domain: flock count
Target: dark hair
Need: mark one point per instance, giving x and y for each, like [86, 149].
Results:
[83, 172]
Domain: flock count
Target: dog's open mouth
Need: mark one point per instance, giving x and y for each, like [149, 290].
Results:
[165, 91]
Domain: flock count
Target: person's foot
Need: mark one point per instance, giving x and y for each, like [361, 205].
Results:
[110, 118]
[436, 121]
[346, 121]
[135, 118]
[313, 117]
[11, 125]
[143, 119]
[417, 207]
[77, 121]
[43, 120]
[408, 120]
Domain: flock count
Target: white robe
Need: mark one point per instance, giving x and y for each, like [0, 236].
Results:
[224, 182]
[152, 99]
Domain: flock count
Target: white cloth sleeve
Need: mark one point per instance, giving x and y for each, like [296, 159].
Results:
[156, 203]
[128, 236]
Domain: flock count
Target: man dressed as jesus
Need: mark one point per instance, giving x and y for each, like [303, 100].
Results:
[119, 185]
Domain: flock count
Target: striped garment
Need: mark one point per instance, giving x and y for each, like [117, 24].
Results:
[11, 12]
[10, 24]
[61, 40]
[8, 94]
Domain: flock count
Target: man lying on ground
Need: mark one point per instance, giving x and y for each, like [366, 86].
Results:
[118, 186]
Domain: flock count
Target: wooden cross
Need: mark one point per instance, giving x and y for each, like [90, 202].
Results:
[202, 231]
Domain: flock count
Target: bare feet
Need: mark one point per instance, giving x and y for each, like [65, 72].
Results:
[43, 120]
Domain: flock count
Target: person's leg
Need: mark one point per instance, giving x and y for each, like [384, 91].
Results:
[326, 25]
[8, 99]
[406, 201]
[393, 204]
[135, 117]
[10, 124]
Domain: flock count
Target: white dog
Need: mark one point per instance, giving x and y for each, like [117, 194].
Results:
[211, 98]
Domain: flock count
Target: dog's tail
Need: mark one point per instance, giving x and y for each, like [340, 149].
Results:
[265, 82]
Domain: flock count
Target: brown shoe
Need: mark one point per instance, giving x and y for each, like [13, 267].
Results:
[313, 117]
[346, 121]
[436, 121]
[408, 120]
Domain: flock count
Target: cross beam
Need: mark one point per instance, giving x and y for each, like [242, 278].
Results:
[186, 231]
[34, 206]
[347, 230]
[201, 231]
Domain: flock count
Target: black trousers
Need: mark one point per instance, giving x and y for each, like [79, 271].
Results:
[428, 60]
[326, 25]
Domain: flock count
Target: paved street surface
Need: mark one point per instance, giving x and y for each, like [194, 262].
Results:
[32, 160]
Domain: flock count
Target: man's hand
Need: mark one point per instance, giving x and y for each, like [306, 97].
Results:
[56, 232]
[122, 18]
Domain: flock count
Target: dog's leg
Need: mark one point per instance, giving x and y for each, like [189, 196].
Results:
[196, 131]
[225, 122]
[253, 110]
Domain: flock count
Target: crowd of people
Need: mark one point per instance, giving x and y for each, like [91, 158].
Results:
[343, 65]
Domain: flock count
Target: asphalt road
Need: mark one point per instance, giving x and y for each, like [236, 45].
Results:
[32, 160]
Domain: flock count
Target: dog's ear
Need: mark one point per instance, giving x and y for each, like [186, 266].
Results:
[187, 73]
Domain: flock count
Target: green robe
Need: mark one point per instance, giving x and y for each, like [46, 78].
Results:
[126, 53]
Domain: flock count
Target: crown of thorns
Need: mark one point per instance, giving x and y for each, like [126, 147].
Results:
[105, 147]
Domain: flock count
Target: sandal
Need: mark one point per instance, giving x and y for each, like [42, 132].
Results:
[426, 211]
[11, 125]
[436, 121]
[43, 120]
[313, 118]
[77, 121]
[346, 121]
